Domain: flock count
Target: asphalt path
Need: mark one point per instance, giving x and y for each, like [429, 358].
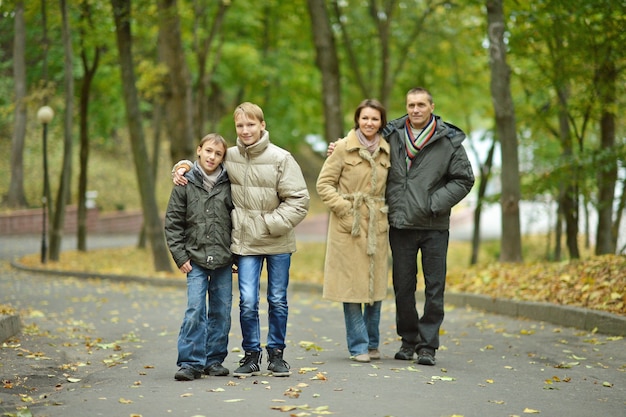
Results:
[92, 347]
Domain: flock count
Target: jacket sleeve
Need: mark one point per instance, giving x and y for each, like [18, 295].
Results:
[460, 179]
[328, 181]
[175, 222]
[183, 163]
[294, 198]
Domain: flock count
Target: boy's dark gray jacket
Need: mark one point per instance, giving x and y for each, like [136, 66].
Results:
[198, 224]
[440, 176]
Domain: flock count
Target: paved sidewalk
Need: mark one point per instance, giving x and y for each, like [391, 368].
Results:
[108, 348]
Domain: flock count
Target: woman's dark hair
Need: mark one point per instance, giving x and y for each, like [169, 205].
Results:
[374, 104]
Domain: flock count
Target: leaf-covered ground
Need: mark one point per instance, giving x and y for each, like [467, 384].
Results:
[597, 283]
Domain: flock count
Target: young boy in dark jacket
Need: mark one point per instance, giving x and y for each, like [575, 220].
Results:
[198, 231]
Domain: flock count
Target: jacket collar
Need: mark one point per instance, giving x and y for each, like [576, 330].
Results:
[256, 148]
[449, 130]
[352, 143]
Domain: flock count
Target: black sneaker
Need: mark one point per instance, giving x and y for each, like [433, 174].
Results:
[277, 365]
[250, 365]
[187, 374]
[216, 369]
[405, 353]
[426, 357]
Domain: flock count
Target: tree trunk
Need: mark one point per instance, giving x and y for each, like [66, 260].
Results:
[568, 194]
[328, 64]
[178, 103]
[56, 232]
[511, 240]
[154, 227]
[621, 206]
[15, 197]
[485, 175]
[607, 167]
[89, 73]
[558, 232]
[203, 47]
[157, 117]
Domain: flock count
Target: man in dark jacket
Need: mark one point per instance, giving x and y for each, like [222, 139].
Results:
[430, 173]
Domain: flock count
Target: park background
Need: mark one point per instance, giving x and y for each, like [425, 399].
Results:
[539, 89]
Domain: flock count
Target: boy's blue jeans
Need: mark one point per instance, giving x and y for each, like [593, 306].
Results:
[249, 286]
[203, 336]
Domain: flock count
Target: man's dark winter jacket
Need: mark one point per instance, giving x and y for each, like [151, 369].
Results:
[440, 176]
[198, 224]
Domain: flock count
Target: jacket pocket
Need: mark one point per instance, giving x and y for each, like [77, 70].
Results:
[344, 223]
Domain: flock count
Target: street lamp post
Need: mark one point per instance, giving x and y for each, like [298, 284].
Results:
[44, 116]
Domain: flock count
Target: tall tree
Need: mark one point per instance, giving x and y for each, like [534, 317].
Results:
[90, 66]
[152, 220]
[607, 36]
[511, 239]
[63, 193]
[178, 103]
[207, 37]
[485, 170]
[328, 64]
[15, 197]
[385, 32]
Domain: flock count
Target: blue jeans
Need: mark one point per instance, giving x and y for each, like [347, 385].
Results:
[362, 326]
[249, 286]
[419, 332]
[203, 336]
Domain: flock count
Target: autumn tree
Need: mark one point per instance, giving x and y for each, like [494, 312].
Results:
[15, 197]
[90, 59]
[327, 61]
[208, 42]
[152, 220]
[58, 221]
[177, 96]
[605, 43]
[511, 239]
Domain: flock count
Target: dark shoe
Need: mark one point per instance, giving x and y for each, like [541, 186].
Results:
[187, 374]
[426, 357]
[277, 365]
[216, 369]
[405, 353]
[250, 365]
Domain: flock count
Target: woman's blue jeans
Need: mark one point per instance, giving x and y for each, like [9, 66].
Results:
[203, 336]
[362, 326]
[249, 286]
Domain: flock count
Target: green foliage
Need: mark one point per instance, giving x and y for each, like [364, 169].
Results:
[264, 53]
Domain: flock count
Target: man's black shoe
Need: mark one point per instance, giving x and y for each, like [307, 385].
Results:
[187, 374]
[216, 369]
[405, 353]
[426, 357]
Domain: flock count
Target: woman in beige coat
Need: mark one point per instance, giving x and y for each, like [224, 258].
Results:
[352, 185]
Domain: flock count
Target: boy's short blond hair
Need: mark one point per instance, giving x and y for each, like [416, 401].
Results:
[250, 110]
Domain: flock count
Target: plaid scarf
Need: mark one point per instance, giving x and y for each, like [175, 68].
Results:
[414, 143]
